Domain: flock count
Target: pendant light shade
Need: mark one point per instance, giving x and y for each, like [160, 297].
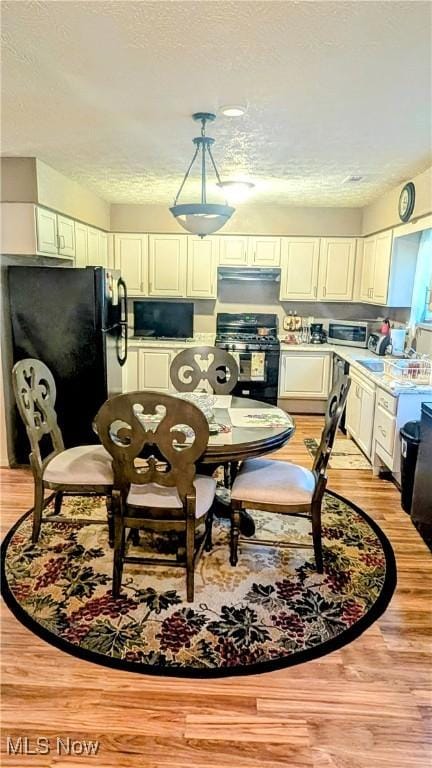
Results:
[202, 218]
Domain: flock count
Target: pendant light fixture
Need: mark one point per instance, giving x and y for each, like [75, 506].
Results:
[202, 218]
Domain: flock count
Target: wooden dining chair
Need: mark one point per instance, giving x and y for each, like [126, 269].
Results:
[82, 470]
[155, 482]
[286, 488]
[218, 368]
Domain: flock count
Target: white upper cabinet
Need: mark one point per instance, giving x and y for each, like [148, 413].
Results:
[388, 269]
[233, 251]
[202, 262]
[264, 251]
[299, 261]
[131, 258]
[93, 247]
[383, 252]
[97, 248]
[66, 236]
[46, 224]
[103, 250]
[337, 265]
[81, 258]
[376, 268]
[367, 269]
[167, 265]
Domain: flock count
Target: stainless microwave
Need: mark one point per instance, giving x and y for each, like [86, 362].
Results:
[352, 333]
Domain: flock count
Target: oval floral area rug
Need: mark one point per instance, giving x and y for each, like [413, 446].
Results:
[270, 611]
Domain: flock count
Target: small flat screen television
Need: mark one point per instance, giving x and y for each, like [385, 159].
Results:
[163, 319]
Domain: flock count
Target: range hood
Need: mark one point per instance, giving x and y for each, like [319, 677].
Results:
[257, 274]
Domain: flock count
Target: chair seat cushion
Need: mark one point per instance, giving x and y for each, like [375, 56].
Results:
[82, 465]
[153, 495]
[273, 482]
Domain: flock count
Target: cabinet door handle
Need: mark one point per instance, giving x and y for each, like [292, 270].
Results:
[324, 290]
[315, 290]
[384, 403]
[383, 431]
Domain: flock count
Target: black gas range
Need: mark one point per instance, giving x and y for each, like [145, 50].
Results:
[252, 339]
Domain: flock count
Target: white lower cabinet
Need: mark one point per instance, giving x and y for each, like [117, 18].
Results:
[148, 369]
[153, 369]
[130, 371]
[304, 375]
[360, 412]
[391, 413]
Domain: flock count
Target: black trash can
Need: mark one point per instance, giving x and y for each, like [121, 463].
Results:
[410, 441]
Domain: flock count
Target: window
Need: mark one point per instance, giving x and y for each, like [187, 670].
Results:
[421, 309]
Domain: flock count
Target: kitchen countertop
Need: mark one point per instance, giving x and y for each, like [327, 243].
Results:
[199, 340]
[353, 355]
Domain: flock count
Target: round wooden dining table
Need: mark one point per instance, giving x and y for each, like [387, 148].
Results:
[235, 443]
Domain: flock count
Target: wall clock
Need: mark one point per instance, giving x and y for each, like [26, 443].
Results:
[406, 201]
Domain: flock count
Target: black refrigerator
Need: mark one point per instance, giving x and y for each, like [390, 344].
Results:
[75, 321]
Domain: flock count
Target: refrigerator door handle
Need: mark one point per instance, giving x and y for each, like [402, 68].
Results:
[122, 294]
[123, 324]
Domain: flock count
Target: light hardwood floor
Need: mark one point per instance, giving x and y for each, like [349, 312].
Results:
[365, 706]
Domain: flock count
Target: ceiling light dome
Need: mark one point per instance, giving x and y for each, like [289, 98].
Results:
[233, 110]
[202, 218]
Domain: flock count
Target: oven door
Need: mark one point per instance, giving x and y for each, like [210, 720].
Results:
[258, 376]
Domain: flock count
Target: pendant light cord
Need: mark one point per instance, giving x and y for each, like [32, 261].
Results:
[204, 146]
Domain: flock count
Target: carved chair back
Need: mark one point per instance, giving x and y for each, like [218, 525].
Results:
[169, 433]
[192, 366]
[334, 410]
[35, 395]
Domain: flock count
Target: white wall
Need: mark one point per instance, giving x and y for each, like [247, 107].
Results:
[64, 195]
[383, 213]
[27, 180]
[248, 219]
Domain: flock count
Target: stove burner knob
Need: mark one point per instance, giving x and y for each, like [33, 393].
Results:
[233, 346]
[247, 347]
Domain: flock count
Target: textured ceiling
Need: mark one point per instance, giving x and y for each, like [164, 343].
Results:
[103, 91]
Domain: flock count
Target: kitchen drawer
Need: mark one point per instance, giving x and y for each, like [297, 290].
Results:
[390, 461]
[385, 426]
[386, 401]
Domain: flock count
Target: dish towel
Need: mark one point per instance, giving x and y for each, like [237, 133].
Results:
[236, 356]
[257, 366]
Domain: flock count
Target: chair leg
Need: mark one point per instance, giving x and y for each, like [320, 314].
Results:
[119, 545]
[235, 530]
[227, 475]
[190, 565]
[317, 537]
[208, 530]
[58, 502]
[38, 508]
[110, 520]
